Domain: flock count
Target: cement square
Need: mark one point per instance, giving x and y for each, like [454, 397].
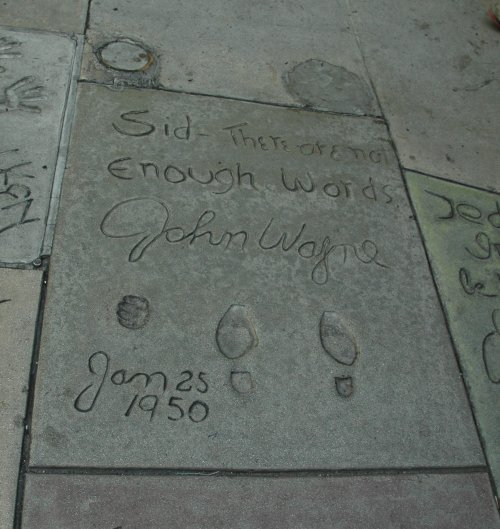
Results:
[235, 285]
[67, 16]
[279, 52]
[461, 501]
[437, 84]
[19, 298]
[461, 229]
[35, 70]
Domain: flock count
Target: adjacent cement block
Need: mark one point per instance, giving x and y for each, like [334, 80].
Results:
[67, 16]
[280, 52]
[383, 502]
[240, 286]
[19, 297]
[461, 228]
[437, 85]
[35, 70]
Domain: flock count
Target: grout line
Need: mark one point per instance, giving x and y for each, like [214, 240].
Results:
[352, 24]
[24, 462]
[62, 154]
[20, 266]
[240, 99]
[39, 31]
[451, 181]
[87, 17]
[164, 472]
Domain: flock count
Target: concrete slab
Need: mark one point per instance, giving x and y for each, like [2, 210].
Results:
[461, 228]
[461, 501]
[19, 297]
[435, 68]
[251, 292]
[53, 15]
[35, 70]
[277, 52]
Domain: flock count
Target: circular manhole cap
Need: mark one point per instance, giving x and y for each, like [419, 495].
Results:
[125, 55]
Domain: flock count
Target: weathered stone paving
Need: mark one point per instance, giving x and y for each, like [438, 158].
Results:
[67, 16]
[19, 298]
[461, 229]
[35, 70]
[250, 292]
[438, 87]
[461, 501]
[281, 52]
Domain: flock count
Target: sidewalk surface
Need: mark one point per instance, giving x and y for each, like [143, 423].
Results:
[249, 265]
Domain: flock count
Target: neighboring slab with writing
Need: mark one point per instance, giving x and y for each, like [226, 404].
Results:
[54, 15]
[277, 52]
[19, 297]
[461, 501]
[240, 286]
[35, 70]
[461, 228]
[438, 87]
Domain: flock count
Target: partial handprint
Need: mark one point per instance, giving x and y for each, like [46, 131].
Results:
[21, 95]
[7, 48]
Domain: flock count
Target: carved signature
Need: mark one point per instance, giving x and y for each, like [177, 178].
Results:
[154, 223]
[15, 198]
[99, 365]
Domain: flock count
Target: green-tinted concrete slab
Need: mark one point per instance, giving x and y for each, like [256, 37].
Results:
[240, 286]
[460, 501]
[19, 298]
[53, 15]
[35, 72]
[461, 228]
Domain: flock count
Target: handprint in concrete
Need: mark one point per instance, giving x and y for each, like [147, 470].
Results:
[24, 93]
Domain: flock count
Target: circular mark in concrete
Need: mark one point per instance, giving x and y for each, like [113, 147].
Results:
[125, 55]
[325, 86]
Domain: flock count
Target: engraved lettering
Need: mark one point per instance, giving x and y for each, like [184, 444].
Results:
[145, 129]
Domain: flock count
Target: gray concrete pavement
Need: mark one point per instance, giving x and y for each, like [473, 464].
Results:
[272, 295]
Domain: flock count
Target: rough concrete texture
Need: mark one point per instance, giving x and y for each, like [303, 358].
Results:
[245, 50]
[461, 229]
[19, 298]
[52, 15]
[435, 69]
[35, 71]
[251, 292]
[461, 501]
